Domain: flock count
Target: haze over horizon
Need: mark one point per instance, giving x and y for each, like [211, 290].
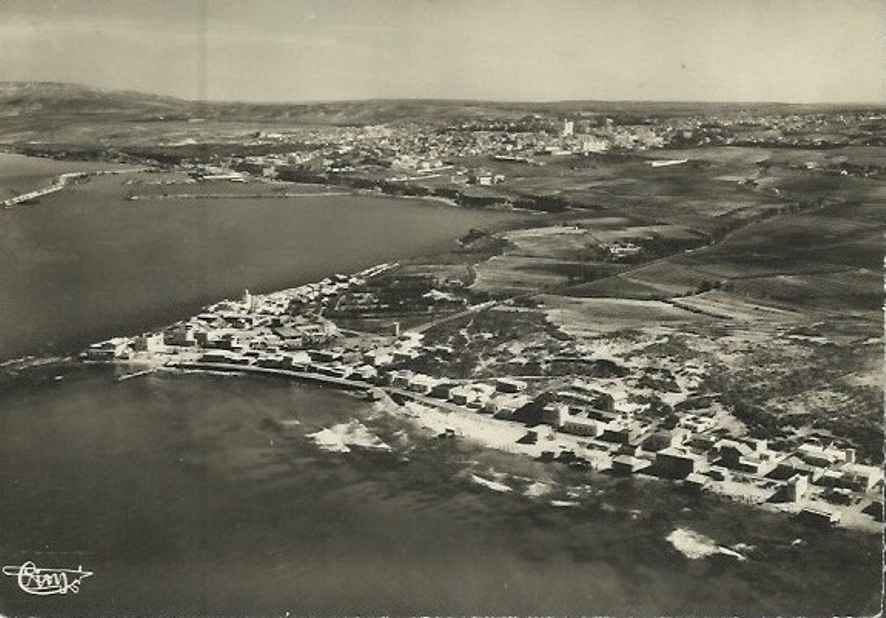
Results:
[793, 51]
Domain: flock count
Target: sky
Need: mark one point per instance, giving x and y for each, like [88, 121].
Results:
[306, 50]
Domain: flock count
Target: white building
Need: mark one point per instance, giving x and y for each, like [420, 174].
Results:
[505, 406]
[554, 414]
[568, 128]
[421, 383]
[510, 385]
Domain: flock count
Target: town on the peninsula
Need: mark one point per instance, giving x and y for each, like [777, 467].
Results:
[563, 400]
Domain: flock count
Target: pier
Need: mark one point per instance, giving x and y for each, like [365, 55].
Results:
[63, 181]
[33, 195]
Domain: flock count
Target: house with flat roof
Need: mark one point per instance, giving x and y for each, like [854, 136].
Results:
[859, 477]
[664, 438]
[179, 337]
[628, 464]
[378, 357]
[755, 458]
[273, 361]
[554, 414]
[365, 373]
[622, 430]
[225, 357]
[582, 426]
[471, 394]
[118, 347]
[421, 383]
[505, 406]
[695, 480]
[824, 456]
[677, 462]
[796, 487]
[819, 517]
[400, 378]
[695, 424]
[149, 342]
[406, 355]
[510, 385]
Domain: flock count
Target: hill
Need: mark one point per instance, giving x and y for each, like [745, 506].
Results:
[50, 98]
[54, 99]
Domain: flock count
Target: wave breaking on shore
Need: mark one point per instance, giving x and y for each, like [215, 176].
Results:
[340, 438]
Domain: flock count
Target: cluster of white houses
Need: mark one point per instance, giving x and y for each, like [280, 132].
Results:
[247, 328]
[263, 332]
[503, 398]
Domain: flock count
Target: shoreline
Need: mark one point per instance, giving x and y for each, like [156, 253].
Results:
[354, 186]
[235, 196]
[438, 418]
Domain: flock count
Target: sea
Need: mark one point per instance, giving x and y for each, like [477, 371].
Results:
[199, 494]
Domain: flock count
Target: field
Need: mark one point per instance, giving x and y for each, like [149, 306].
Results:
[670, 277]
[809, 186]
[595, 315]
[734, 157]
[728, 306]
[844, 292]
[507, 274]
[737, 265]
[609, 234]
[618, 286]
[792, 244]
[563, 242]
[797, 232]
[442, 274]
[872, 212]
[730, 156]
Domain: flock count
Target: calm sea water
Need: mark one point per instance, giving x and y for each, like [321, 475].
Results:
[198, 494]
[84, 264]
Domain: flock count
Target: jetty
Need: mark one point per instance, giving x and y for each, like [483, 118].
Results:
[61, 182]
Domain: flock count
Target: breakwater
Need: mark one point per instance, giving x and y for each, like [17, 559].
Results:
[60, 183]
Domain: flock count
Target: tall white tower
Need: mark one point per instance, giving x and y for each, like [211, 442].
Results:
[568, 128]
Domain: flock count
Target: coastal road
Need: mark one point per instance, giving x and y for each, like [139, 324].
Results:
[473, 309]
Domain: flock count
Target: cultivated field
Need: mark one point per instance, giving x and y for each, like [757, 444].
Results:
[618, 286]
[843, 292]
[670, 277]
[563, 242]
[579, 316]
[508, 274]
[729, 306]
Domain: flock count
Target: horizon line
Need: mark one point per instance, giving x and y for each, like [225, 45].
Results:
[319, 101]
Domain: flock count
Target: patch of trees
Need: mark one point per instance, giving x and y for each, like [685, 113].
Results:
[707, 286]
[665, 383]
